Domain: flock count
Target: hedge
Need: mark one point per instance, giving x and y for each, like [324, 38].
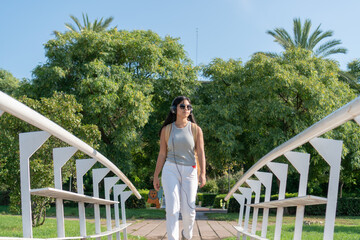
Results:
[345, 207]
[348, 206]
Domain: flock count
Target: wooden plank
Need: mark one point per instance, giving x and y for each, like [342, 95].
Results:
[219, 230]
[147, 228]
[158, 232]
[57, 193]
[229, 227]
[206, 232]
[196, 233]
[291, 202]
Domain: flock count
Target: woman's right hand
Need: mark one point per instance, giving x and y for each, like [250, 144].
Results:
[156, 183]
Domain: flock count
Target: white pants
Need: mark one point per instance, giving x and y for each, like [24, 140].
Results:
[180, 187]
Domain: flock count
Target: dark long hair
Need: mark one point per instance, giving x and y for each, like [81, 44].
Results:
[171, 117]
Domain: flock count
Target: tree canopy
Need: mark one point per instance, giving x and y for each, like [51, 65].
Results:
[120, 78]
[252, 108]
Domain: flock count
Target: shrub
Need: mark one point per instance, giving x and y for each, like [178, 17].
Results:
[219, 199]
[210, 187]
[207, 199]
[345, 207]
[134, 202]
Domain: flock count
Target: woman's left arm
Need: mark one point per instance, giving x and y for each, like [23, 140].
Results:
[201, 156]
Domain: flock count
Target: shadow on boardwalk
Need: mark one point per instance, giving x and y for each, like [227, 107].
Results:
[204, 229]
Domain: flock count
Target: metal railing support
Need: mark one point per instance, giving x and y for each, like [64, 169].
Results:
[330, 150]
[29, 143]
[266, 179]
[82, 166]
[98, 175]
[60, 157]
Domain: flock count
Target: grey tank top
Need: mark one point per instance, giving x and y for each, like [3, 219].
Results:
[181, 146]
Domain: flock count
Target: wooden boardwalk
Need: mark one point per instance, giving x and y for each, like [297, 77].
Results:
[203, 229]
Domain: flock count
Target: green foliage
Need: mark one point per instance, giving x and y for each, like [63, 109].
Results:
[219, 201]
[207, 199]
[8, 83]
[122, 79]
[134, 202]
[220, 105]
[345, 207]
[63, 110]
[303, 39]
[210, 187]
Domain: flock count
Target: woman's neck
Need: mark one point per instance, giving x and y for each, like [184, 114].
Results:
[181, 123]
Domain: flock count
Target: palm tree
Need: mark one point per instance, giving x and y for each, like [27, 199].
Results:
[303, 40]
[96, 26]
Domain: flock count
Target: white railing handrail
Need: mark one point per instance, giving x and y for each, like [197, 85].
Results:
[335, 119]
[23, 112]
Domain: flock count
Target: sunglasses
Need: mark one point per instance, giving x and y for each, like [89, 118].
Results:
[182, 106]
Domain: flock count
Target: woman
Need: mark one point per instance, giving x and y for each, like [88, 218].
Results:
[180, 139]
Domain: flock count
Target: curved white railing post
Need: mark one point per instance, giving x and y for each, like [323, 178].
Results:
[109, 182]
[280, 170]
[241, 200]
[82, 166]
[29, 143]
[247, 194]
[60, 157]
[301, 162]
[124, 196]
[98, 175]
[330, 150]
[255, 186]
[266, 179]
[118, 189]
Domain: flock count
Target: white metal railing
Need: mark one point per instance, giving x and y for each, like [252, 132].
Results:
[329, 149]
[30, 142]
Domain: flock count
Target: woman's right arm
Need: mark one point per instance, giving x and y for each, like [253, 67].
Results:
[160, 160]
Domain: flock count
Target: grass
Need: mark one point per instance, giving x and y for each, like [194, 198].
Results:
[345, 227]
[130, 213]
[11, 226]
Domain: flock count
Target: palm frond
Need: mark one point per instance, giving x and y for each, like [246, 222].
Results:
[326, 47]
[313, 37]
[322, 36]
[334, 51]
[305, 31]
[297, 30]
[282, 37]
[71, 27]
[77, 22]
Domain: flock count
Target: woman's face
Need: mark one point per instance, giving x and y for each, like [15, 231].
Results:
[183, 109]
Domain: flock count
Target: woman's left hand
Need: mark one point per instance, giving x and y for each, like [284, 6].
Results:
[202, 180]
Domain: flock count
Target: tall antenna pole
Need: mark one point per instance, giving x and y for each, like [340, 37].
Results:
[197, 38]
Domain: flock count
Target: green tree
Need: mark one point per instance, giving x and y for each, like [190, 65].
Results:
[96, 26]
[125, 82]
[286, 95]
[220, 111]
[65, 111]
[303, 39]
[8, 83]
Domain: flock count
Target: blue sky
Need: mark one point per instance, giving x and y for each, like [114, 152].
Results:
[226, 28]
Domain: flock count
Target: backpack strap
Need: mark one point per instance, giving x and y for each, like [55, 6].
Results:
[167, 133]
